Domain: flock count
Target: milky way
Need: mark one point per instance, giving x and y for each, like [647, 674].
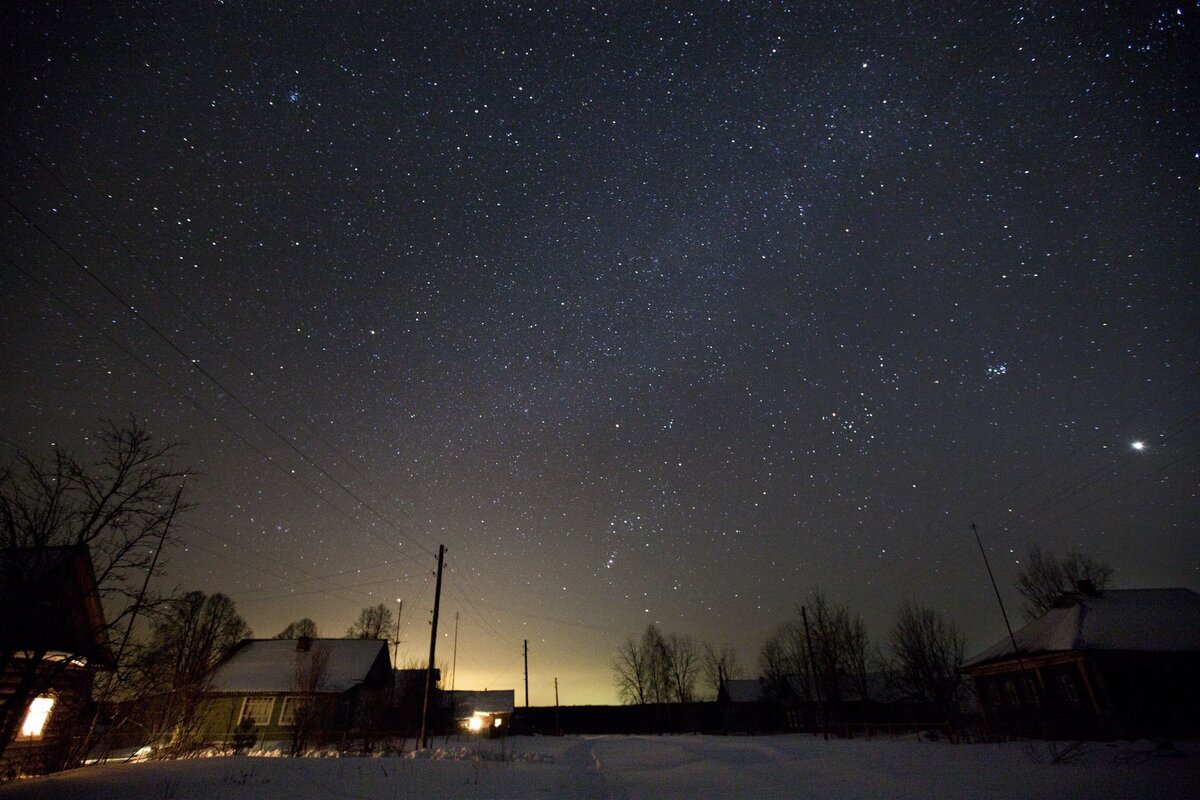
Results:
[648, 315]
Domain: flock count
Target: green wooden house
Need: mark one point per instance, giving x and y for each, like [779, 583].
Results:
[297, 690]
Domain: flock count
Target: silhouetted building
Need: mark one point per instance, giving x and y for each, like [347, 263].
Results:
[1120, 663]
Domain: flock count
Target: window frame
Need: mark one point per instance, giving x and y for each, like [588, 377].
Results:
[292, 703]
[248, 700]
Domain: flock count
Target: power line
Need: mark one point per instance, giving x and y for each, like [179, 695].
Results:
[186, 308]
[195, 364]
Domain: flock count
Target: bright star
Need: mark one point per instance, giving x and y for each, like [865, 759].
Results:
[1139, 445]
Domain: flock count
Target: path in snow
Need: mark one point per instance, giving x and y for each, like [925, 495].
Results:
[650, 767]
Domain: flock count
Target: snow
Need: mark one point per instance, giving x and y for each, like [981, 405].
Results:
[269, 665]
[1157, 620]
[659, 767]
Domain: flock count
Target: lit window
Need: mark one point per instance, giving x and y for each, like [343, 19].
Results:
[35, 718]
[256, 711]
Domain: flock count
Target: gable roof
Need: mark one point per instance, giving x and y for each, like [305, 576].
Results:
[270, 665]
[1147, 620]
[745, 690]
[49, 601]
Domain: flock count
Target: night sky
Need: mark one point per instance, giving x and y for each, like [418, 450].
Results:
[649, 314]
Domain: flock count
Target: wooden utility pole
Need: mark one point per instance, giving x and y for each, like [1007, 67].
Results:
[437, 601]
[557, 723]
[527, 673]
[396, 646]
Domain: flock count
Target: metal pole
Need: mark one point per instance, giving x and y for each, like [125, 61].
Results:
[999, 601]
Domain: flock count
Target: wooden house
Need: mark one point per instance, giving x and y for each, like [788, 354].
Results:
[482, 711]
[52, 641]
[1120, 663]
[268, 689]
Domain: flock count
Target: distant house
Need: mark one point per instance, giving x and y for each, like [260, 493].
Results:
[1120, 663]
[752, 705]
[789, 703]
[482, 711]
[408, 699]
[52, 642]
[265, 688]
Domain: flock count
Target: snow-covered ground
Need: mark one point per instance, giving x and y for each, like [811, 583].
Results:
[724, 768]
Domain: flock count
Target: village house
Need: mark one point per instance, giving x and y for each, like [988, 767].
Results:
[482, 711]
[268, 689]
[1119, 663]
[52, 642]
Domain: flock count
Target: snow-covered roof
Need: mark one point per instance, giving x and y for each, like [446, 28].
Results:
[1151, 620]
[270, 665]
[749, 690]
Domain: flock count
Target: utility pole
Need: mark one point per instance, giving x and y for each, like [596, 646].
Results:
[454, 661]
[437, 601]
[396, 646]
[1000, 602]
[527, 673]
[1003, 613]
[812, 664]
[557, 723]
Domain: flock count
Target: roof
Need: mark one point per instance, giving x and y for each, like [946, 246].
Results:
[270, 665]
[1146, 620]
[49, 601]
[496, 701]
[750, 690]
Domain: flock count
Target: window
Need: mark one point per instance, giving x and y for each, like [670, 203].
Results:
[1070, 691]
[291, 707]
[1031, 691]
[256, 711]
[1011, 698]
[35, 718]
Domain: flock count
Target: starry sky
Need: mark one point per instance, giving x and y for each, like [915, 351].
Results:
[658, 313]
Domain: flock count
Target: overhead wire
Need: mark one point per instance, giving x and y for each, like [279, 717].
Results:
[195, 365]
[216, 336]
[185, 395]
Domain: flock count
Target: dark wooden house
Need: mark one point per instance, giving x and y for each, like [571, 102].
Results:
[1121, 663]
[52, 641]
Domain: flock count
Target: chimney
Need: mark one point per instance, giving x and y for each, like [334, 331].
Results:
[303, 644]
[1086, 588]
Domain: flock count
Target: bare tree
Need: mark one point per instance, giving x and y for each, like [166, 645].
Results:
[374, 622]
[718, 666]
[632, 672]
[294, 630]
[121, 505]
[191, 634]
[656, 668]
[928, 652]
[830, 655]
[1044, 578]
[683, 666]
[309, 715]
[839, 647]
